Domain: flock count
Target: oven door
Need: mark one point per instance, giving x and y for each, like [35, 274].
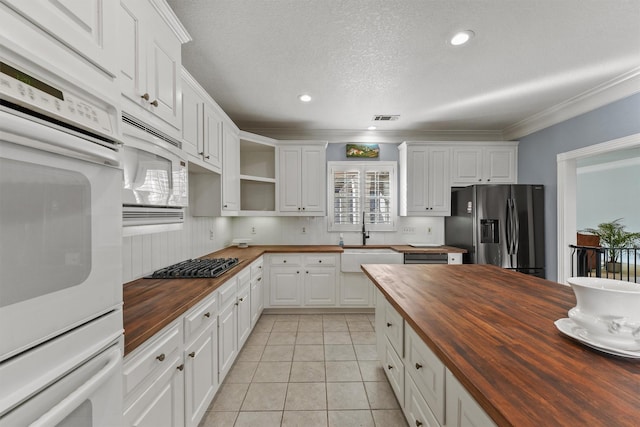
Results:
[60, 223]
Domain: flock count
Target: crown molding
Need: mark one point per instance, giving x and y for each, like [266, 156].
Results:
[613, 90]
[172, 20]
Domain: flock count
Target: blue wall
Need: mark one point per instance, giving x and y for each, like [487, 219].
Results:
[537, 155]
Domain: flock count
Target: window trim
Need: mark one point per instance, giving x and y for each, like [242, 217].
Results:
[362, 167]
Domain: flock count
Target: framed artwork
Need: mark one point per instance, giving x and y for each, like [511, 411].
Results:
[363, 150]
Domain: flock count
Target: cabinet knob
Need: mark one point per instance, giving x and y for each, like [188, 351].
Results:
[304, 209]
[297, 272]
[225, 206]
[418, 366]
[180, 367]
[298, 208]
[192, 354]
[418, 423]
[145, 96]
[307, 272]
[389, 324]
[207, 157]
[320, 261]
[201, 153]
[259, 279]
[207, 314]
[154, 103]
[284, 261]
[260, 267]
[389, 367]
[241, 299]
[480, 180]
[489, 179]
[161, 357]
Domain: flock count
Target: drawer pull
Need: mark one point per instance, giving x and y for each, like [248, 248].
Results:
[207, 314]
[418, 366]
[161, 357]
[418, 423]
[241, 299]
[154, 103]
[145, 96]
[259, 279]
[284, 261]
[390, 367]
[389, 324]
[180, 367]
[192, 354]
[260, 266]
[320, 261]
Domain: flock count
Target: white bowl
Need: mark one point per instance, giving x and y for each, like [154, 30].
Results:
[609, 310]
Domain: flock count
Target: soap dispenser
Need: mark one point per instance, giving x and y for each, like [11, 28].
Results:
[341, 242]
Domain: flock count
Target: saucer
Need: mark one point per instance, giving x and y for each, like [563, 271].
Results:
[572, 330]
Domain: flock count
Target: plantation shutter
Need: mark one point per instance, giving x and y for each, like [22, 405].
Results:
[377, 197]
[346, 199]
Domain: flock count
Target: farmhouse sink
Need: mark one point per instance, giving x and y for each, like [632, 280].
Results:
[351, 259]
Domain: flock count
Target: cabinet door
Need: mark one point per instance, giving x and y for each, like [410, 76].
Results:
[289, 179]
[201, 374]
[132, 49]
[211, 150]
[257, 299]
[162, 404]
[227, 339]
[244, 314]
[467, 165]
[461, 408]
[192, 121]
[320, 286]
[500, 165]
[230, 169]
[313, 174]
[439, 185]
[417, 177]
[163, 67]
[355, 290]
[285, 284]
[88, 27]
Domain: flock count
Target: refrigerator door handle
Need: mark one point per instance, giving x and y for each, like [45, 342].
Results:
[516, 228]
[508, 228]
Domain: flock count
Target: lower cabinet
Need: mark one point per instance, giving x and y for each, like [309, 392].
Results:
[355, 290]
[244, 307]
[427, 391]
[257, 291]
[201, 373]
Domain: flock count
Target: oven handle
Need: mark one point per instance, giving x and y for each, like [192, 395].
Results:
[73, 400]
[21, 130]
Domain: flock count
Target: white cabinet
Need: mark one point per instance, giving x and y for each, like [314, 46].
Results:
[285, 286]
[88, 27]
[257, 291]
[320, 286]
[301, 178]
[230, 169]
[257, 174]
[244, 306]
[296, 280]
[462, 409]
[454, 258]
[355, 290]
[227, 327]
[425, 188]
[149, 49]
[479, 163]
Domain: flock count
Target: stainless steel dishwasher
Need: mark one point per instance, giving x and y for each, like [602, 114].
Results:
[425, 258]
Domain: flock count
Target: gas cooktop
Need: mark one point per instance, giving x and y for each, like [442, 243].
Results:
[196, 268]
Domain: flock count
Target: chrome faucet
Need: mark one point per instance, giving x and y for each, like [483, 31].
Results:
[365, 233]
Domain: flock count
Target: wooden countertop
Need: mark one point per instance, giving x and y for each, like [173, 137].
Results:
[494, 330]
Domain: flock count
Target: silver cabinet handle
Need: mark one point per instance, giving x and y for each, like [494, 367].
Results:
[154, 103]
[145, 96]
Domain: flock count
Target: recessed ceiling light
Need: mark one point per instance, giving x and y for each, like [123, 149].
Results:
[372, 128]
[305, 97]
[462, 37]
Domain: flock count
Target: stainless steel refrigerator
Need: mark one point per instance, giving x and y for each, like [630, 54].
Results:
[499, 224]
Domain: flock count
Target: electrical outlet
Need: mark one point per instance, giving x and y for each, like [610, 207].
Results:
[408, 230]
[428, 230]
[210, 234]
[253, 230]
[304, 230]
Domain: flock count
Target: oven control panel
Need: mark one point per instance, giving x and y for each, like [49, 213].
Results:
[33, 94]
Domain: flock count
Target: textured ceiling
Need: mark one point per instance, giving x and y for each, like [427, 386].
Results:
[358, 58]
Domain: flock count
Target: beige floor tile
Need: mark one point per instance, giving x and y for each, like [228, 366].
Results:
[272, 372]
[277, 353]
[263, 327]
[310, 317]
[288, 317]
[282, 338]
[339, 352]
[371, 370]
[344, 371]
[350, 419]
[258, 338]
[389, 418]
[337, 338]
[372, 318]
[356, 317]
[366, 352]
[309, 338]
[259, 418]
[265, 397]
[306, 396]
[241, 372]
[218, 419]
[334, 326]
[310, 326]
[229, 397]
[267, 318]
[360, 326]
[347, 396]
[381, 395]
[285, 326]
[305, 372]
[309, 353]
[251, 353]
[363, 337]
[334, 316]
[304, 419]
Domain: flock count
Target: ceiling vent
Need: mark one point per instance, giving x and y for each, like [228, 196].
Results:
[386, 117]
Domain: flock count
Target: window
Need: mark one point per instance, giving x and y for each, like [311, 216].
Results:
[362, 188]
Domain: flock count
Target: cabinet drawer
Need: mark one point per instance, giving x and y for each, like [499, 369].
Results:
[153, 357]
[256, 268]
[228, 292]
[394, 328]
[319, 259]
[394, 368]
[200, 316]
[244, 277]
[285, 260]
[416, 409]
[427, 371]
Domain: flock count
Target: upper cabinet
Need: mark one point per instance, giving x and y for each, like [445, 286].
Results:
[230, 170]
[150, 39]
[257, 174]
[482, 163]
[425, 188]
[87, 27]
[301, 178]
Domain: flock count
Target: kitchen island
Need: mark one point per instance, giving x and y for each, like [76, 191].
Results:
[494, 330]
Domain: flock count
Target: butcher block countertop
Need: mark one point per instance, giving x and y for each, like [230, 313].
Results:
[494, 330]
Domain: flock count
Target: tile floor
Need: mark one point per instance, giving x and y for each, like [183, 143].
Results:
[307, 370]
